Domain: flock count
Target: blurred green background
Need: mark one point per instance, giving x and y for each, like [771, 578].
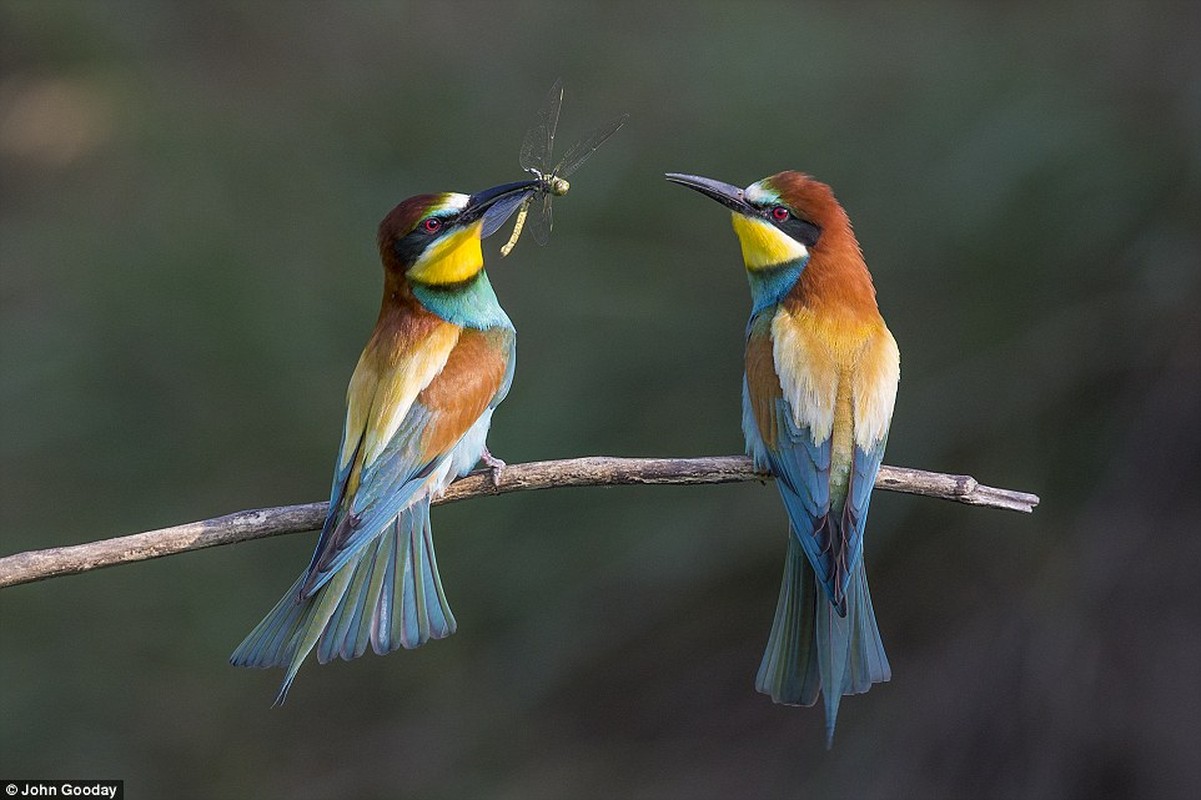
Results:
[189, 200]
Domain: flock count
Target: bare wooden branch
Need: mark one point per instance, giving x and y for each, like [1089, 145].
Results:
[36, 565]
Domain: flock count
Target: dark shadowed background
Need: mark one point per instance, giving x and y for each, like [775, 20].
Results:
[190, 194]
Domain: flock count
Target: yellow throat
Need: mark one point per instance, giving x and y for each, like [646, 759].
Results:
[453, 259]
[764, 245]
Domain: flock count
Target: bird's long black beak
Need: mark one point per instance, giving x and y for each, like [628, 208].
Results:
[497, 204]
[729, 196]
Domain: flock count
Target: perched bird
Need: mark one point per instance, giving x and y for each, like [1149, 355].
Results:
[817, 399]
[418, 409]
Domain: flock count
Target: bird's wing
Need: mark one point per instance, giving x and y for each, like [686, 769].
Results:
[825, 390]
[402, 424]
[787, 448]
[791, 389]
[873, 396]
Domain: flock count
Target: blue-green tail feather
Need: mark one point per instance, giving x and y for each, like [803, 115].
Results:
[788, 672]
[389, 596]
[811, 648]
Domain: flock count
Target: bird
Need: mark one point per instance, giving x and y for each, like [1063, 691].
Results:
[820, 384]
[418, 409]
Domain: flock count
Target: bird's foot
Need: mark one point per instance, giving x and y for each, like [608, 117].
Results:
[494, 464]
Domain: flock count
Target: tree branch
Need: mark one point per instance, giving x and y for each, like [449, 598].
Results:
[36, 565]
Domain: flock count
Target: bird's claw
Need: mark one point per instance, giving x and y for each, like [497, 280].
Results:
[495, 466]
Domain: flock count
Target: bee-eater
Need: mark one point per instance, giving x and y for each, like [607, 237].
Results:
[418, 409]
[817, 399]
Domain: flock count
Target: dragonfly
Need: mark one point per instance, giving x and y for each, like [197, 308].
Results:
[549, 183]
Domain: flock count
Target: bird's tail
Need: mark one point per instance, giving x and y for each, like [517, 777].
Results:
[811, 648]
[390, 595]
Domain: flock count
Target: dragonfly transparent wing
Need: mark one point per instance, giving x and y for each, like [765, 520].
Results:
[500, 211]
[542, 218]
[535, 156]
[539, 140]
[582, 150]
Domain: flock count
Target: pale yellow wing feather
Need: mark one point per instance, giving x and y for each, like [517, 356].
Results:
[820, 359]
[385, 383]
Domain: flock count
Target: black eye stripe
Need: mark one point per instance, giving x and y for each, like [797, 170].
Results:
[411, 245]
[804, 231]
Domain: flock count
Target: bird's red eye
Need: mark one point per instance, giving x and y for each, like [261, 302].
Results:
[431, 225]
[779, 213]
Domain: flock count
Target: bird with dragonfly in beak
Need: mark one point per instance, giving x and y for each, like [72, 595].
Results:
[418, 410]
